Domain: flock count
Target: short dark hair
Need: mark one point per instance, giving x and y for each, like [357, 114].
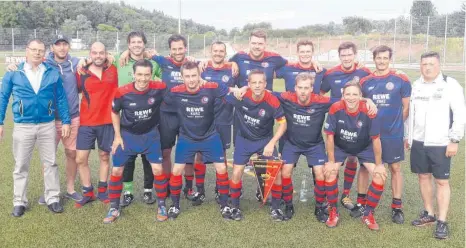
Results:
[430, 54]
[256, 72]
[36, 41]
[303, 76]
[175, 38]
[142, 63]
[217, 42]
[137, 34]
[304, 43]
[353, 82]
[259, 33]
[347, 45]
[188, 65]
[382, 49]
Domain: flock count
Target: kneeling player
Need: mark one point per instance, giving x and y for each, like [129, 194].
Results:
[305, 115]
[352, 131]
[136, 133]
[195, 106]
[255, 116]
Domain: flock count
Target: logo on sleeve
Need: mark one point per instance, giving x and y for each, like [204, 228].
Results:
[262, 112]
[151, 100]
[205, 99]
[389, 86]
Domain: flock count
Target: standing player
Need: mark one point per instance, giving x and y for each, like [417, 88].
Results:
[333, 81]
[255, 116]
[390, 91]
[219, 72]
[98, 85]
[257, 59]
[305, 49]
[352, 131]
[136, 45]
[136, 133]
[195, 109]
[305, 115]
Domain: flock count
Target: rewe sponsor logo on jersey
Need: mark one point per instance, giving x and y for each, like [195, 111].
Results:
[143, 114]
[348, 136]
[194, 111]
[251, 121]
[176, 75]
[301, 118]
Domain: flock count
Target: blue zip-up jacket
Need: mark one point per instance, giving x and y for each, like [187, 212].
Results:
[67, 70]
[29, 107]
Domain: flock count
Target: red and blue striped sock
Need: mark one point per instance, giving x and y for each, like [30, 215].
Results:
[103, 195]
[160, 186]
[373, 197]
[223, 188]
[276, 196]
[331, 190]
[235, 193]
[350, 172]
[188, 180]
[397, 203]
[175, 189]
[361, 199]
[199, 171]
[115, 187]
[287, 190]
[88, 196]
[319, 192]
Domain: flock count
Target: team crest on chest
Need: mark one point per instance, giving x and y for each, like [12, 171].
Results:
[261, 112]
[356, 78]
[205, 99]
[151, 100]
[225, 78]
[265, 64]
[389, 86]
[359, 124]
[310, 111]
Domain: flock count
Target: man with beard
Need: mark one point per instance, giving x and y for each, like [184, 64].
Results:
[333, 81]
[136, 45]
[98, 85]
[391, 92]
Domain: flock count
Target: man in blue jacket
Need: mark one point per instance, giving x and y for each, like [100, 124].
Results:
[37, 91]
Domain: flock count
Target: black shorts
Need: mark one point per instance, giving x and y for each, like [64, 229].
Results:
[430, 159]
[87, 136]
[168, 128]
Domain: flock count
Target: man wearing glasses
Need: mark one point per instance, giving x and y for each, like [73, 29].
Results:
[37, 91]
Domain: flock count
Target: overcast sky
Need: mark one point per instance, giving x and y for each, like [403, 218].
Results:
[228, 14]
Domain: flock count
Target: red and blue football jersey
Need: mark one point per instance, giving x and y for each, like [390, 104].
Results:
[353, 132]
[196, 110]
[255, 119]
[269, 63]
[304, 122]
[139, 109]
[291, 70]
[387, 93]
[222, 75]
[335, 78]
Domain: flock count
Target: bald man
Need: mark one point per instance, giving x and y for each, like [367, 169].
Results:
[97, 82]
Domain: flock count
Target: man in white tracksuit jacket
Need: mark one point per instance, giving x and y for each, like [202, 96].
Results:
[433, 130]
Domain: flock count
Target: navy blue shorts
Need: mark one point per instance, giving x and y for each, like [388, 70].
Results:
[225, 135]
[281, 143]
[315, 155]
[169, 128]
[392, 150]
[147, 144]
[210, 148]
[245, 148]
[87, 135]
[366, 156]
